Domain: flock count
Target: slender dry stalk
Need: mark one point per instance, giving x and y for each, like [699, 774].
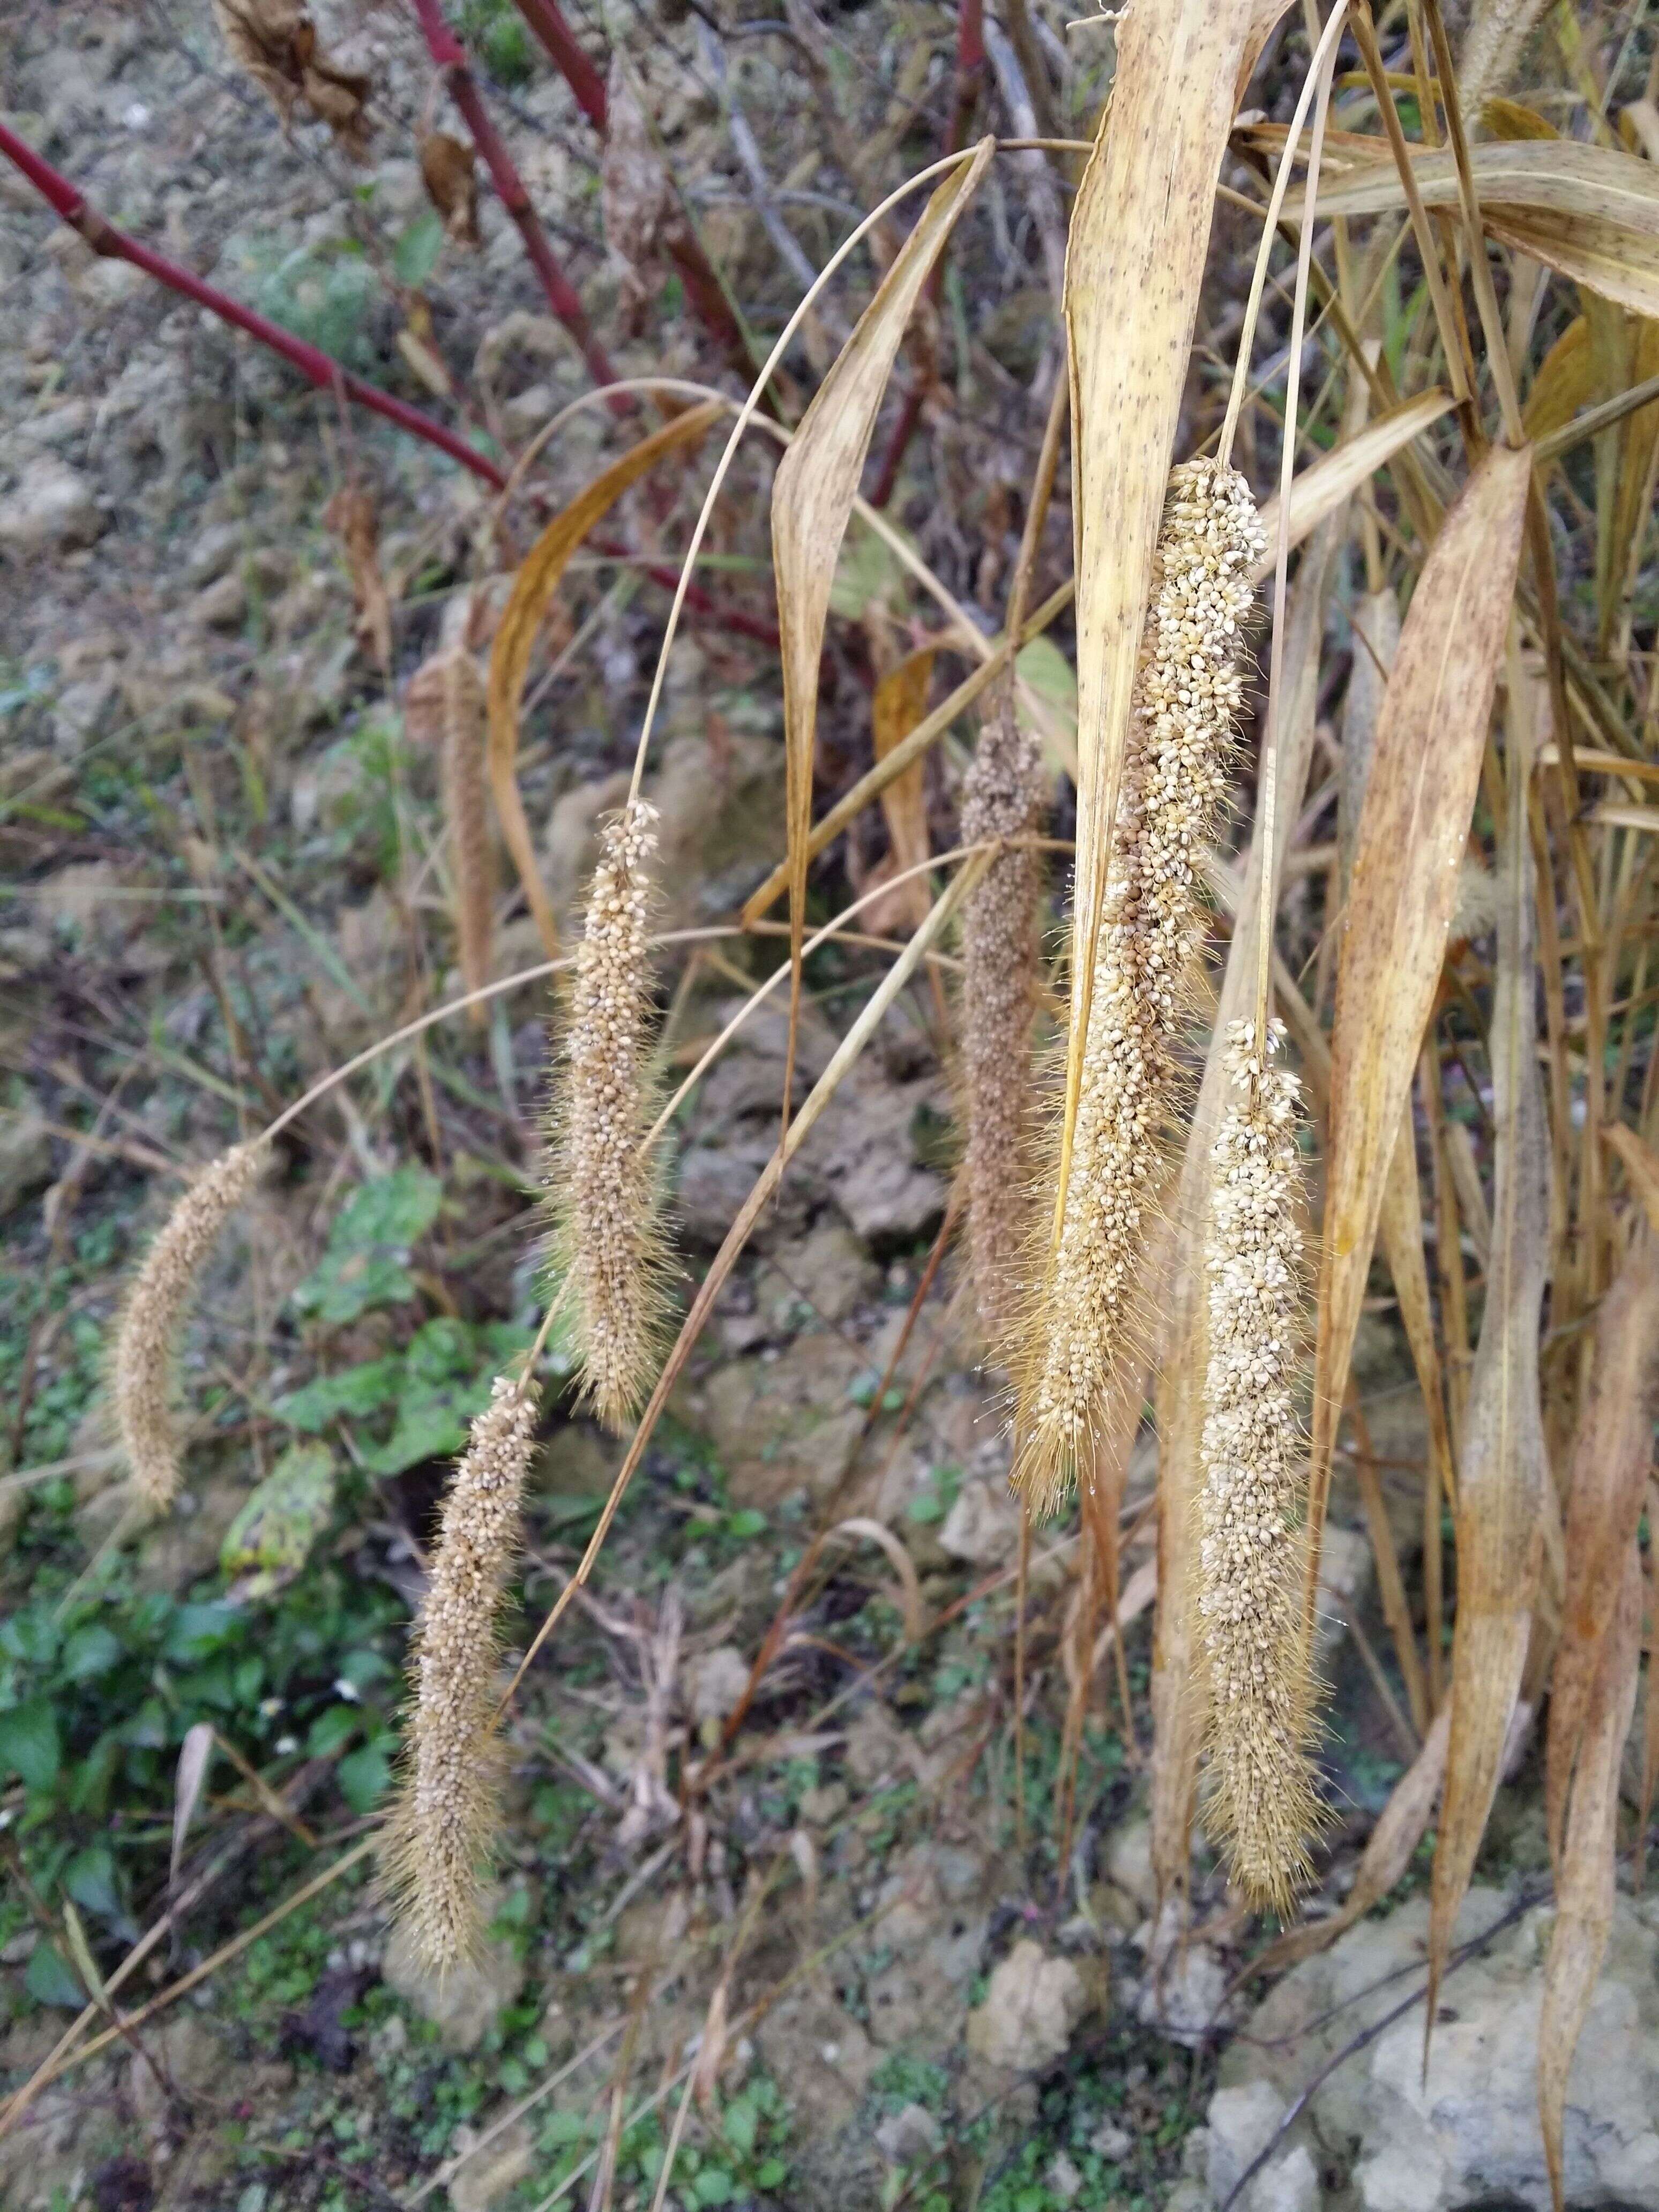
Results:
[604, 1190]
[440, 1835]
[146, 1341]
[1263, 1807]
[1187, 697]
[1002, 796]
[445, 707]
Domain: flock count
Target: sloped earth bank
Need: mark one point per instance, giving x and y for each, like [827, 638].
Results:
[224, 875]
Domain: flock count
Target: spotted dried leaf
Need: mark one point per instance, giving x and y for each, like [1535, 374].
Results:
[451, 178]
[276, 42]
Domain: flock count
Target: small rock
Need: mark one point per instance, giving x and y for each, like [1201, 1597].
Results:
[214, 552]
[718, 1682]
[982, 1526]
[1111, 2141]
[82, 712]
[1242, 2124]
[1133, 1888]
[222, 605]
[1031, 2008]
[1469, 2133]
[1186, 1983]
[490, 2173]
[191, 2055]
[462, 2004]
[1289, 2184]
[819, 1806]
[911, 2136]
[25, 1157]
[1062, 2178]
[830, 1274]
[52, 509]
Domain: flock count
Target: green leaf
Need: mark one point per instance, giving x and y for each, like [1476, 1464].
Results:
[357, 1391]
[430, 1431]
[745, 1524]
[714, 2185]
[390, 1211]
[741, 2124]
[28, 1743]
[89, 1879]
[51, 1980]
[338, 1725]
[364, 1776]
[416, 254]
[441, 1351]
[349, 1283]
[271, 1536]
[199, 1631]
[90, 1651]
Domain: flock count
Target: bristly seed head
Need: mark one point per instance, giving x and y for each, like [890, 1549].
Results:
[605, 1188]
[1002, 796]
[146, 1341]
[1262, 1803]
[440, 1837]
[1187, 689]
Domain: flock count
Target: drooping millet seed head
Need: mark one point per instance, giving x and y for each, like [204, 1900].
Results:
[1002, 796]
[440, 1837]
[1188, 686]
[146, 1353]
[605, 1190]
[445, 707]
[1263, 1807]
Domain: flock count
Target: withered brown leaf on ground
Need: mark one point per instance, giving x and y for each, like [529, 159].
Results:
[351, 515]
[636, 197]
[448, 172]
[276, 42]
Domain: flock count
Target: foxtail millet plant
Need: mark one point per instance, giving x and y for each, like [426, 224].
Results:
[442, 1833]
[445, 707]
[1002, 796]
[605, 1188]
[1187, 691]
[1263, 1806]
[146, 1341]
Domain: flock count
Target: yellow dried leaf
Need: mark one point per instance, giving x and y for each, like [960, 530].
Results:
[352, 516]
[1562, 384]
[812, 496]
[900, 702]
[1584, 1880]
[532, 592]
[1503, 1473]
[1611, 1454]
[1332, 480]
[1590, 212]
[1409, 847]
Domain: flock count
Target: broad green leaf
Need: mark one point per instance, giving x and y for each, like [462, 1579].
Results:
[28, 1743]
[416, 254]
[357, 1391]
[348, 1283]
[270, 1538]
[363, 1776]
[89, 1879]
[90, 1651]
[51, 1980]
[390, 1211]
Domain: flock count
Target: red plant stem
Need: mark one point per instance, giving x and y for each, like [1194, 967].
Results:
[702, 286]
[449, 56]
[569, 57]
[318, 368]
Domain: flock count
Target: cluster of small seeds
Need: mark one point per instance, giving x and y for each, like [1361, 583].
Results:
[442, 1831]
[605, 1190]
[1187, 691]
[1262, 1801]
[1002, 796]
[146, 1344]
[445, 706]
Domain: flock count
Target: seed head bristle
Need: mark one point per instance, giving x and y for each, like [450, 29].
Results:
[1002, 796]
[146, 1341]
[445, 706]
[1187, 688]
[604, 1190]
[1263, 1803]
[440, 1835]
